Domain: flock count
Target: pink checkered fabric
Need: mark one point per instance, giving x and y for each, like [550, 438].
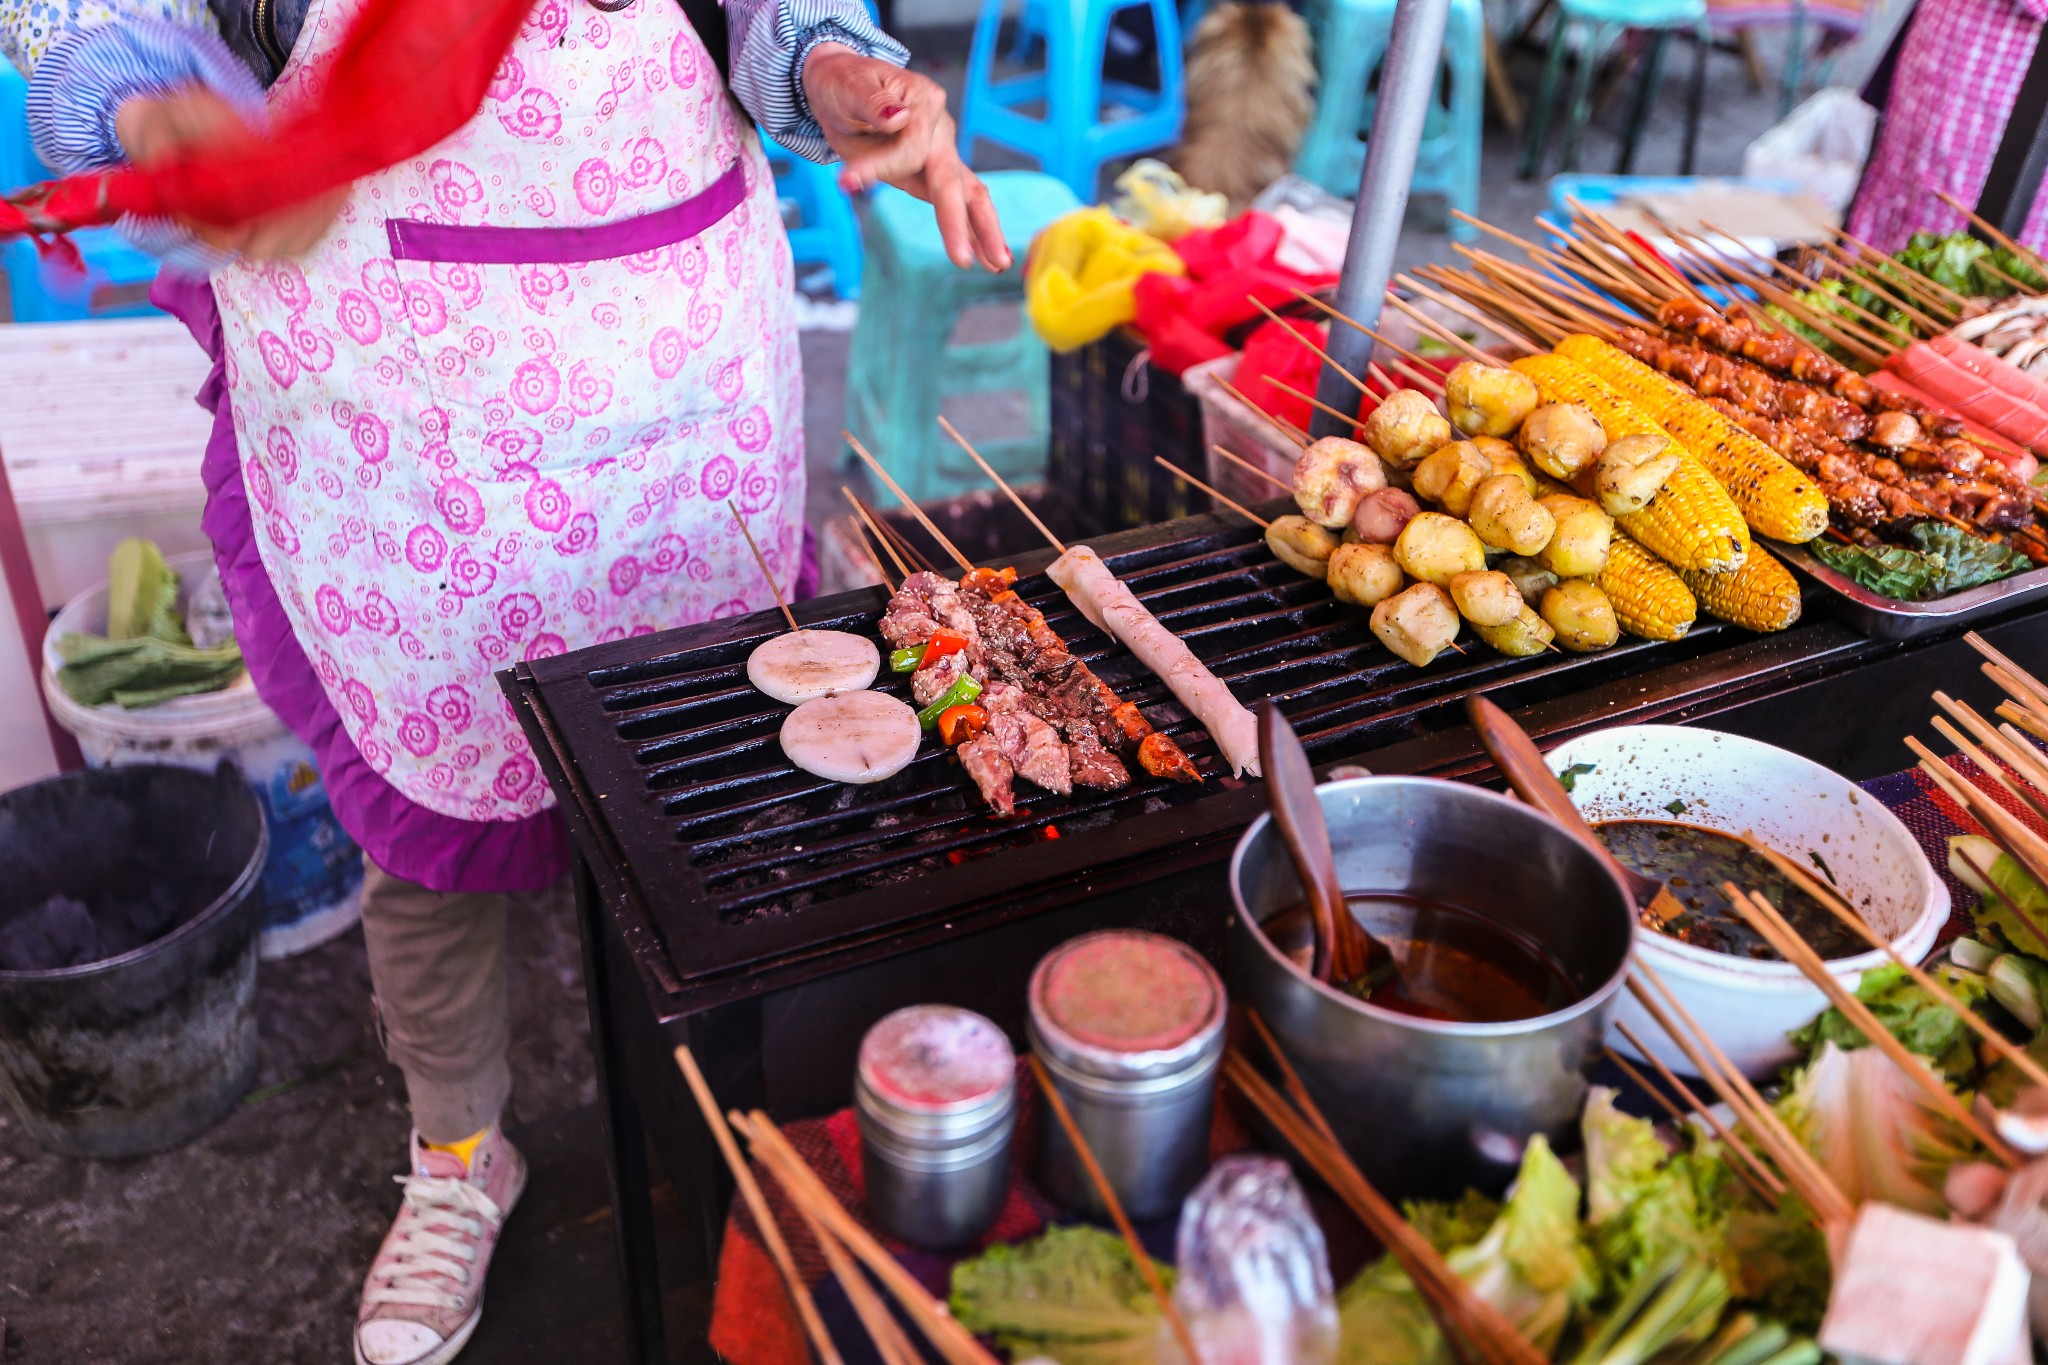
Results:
[1959, 69]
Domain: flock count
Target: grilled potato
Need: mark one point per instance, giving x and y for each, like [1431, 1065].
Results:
[1364, 575]
[1435, 548]
[1631, 471]
[1581, 615]
[1562, 438]
[1487, 598]
[1578, 548]
[1488, 400]
[1527, 634]
[1405, 427]
[1300, 544]
[1449, 475]
[1417, 622]
[1381, 516]
[1331, 476]
[1506, 517]
[1505, 459]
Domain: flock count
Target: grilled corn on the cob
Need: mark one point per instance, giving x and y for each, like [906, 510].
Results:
[1761, 595]
[1649, 599]
[1776, 499]
[1692, 524]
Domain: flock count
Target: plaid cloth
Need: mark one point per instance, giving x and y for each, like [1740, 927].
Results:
[752, 1322]
[1958, 73]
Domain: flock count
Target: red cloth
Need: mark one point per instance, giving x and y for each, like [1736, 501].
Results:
[406, 76]
[1188, 320]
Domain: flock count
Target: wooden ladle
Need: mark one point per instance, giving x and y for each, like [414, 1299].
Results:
[1344, 952]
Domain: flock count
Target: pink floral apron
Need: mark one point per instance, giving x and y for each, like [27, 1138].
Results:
[497, 413]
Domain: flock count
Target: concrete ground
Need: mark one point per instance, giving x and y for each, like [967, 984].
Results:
[249, 1244]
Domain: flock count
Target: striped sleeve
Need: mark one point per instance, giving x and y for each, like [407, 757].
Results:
[771, 40]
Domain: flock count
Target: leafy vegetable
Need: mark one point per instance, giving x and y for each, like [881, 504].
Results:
[1569, 778]
[1943, 559]
[1780, 1262]
[1678, 1300]
[1914, 1017]
[1073, 1294]
[142, 595]
[1873, 1128]
[2004, 888]
[2016, 981]
[1450, 1226]
[1644, 1204]
[1959, 260]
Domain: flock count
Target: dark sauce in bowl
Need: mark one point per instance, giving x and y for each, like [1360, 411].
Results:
[1694, 861]
[1450, 963]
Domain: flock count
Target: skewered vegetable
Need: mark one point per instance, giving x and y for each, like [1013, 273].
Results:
[1760, 595]
[1649, 599]
[958, 724]
[1530, 578]
[1364, 575]
[1774, 497]
[1581, 615]
[1380, 516]
[1505, 459]
[1331, 476]
[1405, 427]
[1632, 472]
[1506, 517]
[1416, 623]
[1563, 438]
[1301, 545]
[1527, 634]
[1578, 548]
[964, 690]
[1448, 476]
[1488, 400]
[1435, 548]
[1487, 598]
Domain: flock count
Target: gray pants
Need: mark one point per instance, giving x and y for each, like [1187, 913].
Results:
[437, 968]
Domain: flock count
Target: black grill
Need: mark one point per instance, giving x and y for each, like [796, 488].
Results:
[744, 865]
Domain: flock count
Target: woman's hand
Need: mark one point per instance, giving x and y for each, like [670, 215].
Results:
[155, 130]
[890, 127]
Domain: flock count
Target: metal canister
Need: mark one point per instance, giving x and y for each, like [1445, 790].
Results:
[1130, 1027]
[935, 1094]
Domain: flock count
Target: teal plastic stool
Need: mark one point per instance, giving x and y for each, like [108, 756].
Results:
[826, 232]
[1599, 23]
[1351, 43]
[902, 365]
[117, 276]
[1076, 133]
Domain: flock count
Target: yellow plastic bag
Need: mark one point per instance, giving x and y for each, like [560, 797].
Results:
[1152, 195]
[1083, 269]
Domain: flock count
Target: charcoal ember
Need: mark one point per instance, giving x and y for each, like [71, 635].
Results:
[1254, 1282]
[60, 932]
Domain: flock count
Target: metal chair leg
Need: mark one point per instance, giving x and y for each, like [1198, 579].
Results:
[1581, 111]
[1546, 99]
[1696, 98]
[1795, 60]
[1639, 111]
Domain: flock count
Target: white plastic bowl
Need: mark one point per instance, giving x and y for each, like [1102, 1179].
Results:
[1739, 785]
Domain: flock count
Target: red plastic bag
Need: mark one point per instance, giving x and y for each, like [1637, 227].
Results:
[1188, 321]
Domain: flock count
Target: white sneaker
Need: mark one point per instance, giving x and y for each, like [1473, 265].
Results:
[425, 1292]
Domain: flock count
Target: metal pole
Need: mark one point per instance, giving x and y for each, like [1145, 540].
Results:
[1407, 83]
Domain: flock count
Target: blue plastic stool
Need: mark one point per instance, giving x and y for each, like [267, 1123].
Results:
[1600, 23]
[1073, 138]
[903, 364]
[1351, 42]
[117, 276]
[826, 232]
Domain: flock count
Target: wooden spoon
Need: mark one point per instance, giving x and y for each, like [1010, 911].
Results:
[1344, 952]
[1521, 762]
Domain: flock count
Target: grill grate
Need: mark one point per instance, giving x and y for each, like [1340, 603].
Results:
[742, 860]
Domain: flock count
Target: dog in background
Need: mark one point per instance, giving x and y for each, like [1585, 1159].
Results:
[1251, 79]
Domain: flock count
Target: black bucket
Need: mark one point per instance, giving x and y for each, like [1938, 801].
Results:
[150, 1044]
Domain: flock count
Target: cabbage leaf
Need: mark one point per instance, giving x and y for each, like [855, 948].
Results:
[1873, 1129]
[1073, 1293]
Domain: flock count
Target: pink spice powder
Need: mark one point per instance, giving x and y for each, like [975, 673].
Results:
[935, 1057]
[1130, 992]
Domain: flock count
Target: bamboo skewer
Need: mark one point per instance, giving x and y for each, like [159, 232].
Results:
[1466, 311]
[1443, 333]
[896, 538]
[1792, 275]
[1320, 353]
[761, 560]
[2023, 699]
[1188, 478]
[1259, 470]
[868, 522]
[890, 1344]
[929, 525]
[1891, 280]
[802, 1185]
[1850, 271]
[757, 1205]
[1487, 295]
[2038, 694]
[1318, 404]
[1547, 289]
[2028, 801]
[1842, 911]
[1285, 428]
[1682, 1118]
[1291, 1079]
[1594, 261]
[1420, 377]
[1954, 300]
[1415, 366]
[1055, 1102]
[1000, 483]
[1655, 270]
[2024, 719]
[2034, 261]
[1765, 919]
[2012, 835]
[1762, 1178]
[1843, 333]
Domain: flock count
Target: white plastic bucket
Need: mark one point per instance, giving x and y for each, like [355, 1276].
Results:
[313, 878]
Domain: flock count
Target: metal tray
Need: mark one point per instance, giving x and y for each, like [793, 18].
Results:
[1882, 618]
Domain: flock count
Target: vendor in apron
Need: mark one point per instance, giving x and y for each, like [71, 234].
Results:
[484, 406]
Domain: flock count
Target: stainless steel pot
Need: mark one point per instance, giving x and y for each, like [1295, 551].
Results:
[1427, 1108]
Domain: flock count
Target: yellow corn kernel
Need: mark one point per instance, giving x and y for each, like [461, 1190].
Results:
[1649, 599]
[1761, 595]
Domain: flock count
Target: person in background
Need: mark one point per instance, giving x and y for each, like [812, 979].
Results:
[1958, 70]
[483, 406]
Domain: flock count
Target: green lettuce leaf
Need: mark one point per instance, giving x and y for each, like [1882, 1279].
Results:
[1873, 1128]
[1925, 1025]
[1448, 1226]
[1647, 1207]
[1073, 1293]
[1779, 1261]
[1943, 559]
[2001, 884]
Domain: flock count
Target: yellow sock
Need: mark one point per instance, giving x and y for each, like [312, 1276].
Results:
[466, 1149]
